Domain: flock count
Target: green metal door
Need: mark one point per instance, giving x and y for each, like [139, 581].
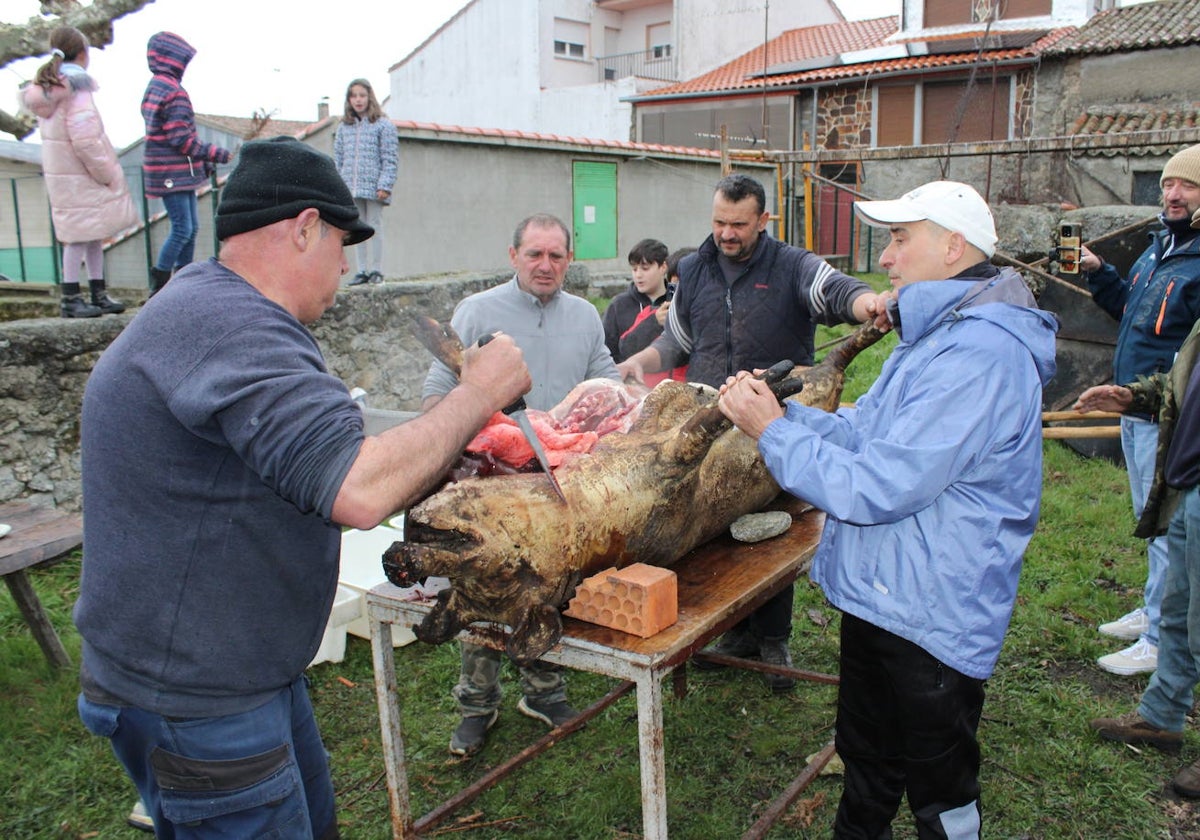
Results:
[595, 206]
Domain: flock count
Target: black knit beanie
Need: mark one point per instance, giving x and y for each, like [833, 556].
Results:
[279, 178]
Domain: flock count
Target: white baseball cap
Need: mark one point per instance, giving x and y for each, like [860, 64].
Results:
[954, 206]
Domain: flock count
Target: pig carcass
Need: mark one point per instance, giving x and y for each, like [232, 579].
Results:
[514, 553]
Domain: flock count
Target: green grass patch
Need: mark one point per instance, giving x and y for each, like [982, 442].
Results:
[732, 746]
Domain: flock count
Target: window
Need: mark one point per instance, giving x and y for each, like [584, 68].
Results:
[951, 12]
[658, 40]
[949, 118]
[570, 38]
[1146, 189]
[894, 115]
[935, 112]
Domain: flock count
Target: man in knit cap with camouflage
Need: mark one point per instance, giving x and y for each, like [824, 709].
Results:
[1157, 305]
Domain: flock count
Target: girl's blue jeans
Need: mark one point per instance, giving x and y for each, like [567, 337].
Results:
[183, 211]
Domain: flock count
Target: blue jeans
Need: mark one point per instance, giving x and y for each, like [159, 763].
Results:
[183, 212]
[261, 773]
[1139, 444]
[1168, 698]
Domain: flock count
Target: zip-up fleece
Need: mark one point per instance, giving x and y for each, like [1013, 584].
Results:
[176, 159]
[365, 154]
[1157, 306]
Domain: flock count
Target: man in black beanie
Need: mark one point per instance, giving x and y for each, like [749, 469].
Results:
[220, 461]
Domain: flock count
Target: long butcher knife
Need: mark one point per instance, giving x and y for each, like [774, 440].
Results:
[517, 412]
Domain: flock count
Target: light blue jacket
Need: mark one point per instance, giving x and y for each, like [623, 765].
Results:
[931, 485]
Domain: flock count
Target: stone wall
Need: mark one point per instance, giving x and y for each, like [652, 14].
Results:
[45, 363]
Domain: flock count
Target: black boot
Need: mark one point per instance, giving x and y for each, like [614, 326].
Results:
[73, 304]
[102, 301]
[158, 279]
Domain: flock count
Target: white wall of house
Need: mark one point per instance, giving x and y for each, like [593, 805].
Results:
[480, 70]
[494, 65]
[713, 32]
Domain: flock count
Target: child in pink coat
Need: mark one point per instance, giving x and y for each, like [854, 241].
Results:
[89, 199]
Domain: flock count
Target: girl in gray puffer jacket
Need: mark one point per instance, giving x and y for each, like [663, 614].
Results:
[364, 150]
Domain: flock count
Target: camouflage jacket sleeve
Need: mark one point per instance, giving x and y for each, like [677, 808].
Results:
[1147, 394]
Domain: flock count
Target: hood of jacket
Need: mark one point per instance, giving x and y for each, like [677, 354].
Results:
[1003, 300]
[43, 103]
[167, 54]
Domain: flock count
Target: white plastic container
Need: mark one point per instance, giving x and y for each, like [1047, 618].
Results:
[347, 606]
[362, 569]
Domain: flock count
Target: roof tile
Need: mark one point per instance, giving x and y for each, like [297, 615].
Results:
[1164, 23]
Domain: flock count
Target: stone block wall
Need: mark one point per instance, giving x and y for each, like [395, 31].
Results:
[365, 336]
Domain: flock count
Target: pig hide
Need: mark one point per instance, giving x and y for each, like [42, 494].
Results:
[678, 477]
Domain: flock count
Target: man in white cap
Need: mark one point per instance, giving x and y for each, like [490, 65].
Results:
[1156, 306]
[931, 488]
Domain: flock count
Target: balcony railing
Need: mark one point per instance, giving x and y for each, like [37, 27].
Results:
[653, 63]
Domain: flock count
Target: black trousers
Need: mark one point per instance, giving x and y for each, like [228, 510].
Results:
[773, 620]
[906, 724]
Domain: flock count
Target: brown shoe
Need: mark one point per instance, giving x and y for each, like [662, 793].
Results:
[1187, 781]
[1133, 730]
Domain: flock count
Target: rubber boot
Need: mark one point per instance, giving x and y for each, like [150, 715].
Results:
[73, 304]
[107, 305]
[774, 651]
[158, 279]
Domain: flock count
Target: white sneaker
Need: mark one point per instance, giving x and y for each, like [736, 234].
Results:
[1129, 626]
[1139, 658]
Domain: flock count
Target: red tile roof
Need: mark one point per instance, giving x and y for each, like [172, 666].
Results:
[249, 129]
[744, 74]
[515, 134]
[1165, 23]
[1124, 119]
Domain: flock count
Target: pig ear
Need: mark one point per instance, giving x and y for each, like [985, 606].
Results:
[535, 635]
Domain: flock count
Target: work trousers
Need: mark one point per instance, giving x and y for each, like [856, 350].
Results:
[773, 620]
[478, 688]
[261, 773]
[906, 724]
[1169, 696]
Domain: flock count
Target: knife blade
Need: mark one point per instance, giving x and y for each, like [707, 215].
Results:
[517, 412]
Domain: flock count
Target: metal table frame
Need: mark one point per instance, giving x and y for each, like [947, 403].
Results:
[720, 583]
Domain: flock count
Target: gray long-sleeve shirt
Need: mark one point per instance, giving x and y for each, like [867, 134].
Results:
[562, 340]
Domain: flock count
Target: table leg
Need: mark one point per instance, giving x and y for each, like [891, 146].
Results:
[652, 753]
[35, 617]
[384, 658]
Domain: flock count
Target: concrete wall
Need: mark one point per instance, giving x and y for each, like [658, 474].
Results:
[45, 364]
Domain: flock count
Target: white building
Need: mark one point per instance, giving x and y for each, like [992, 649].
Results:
[564, 66]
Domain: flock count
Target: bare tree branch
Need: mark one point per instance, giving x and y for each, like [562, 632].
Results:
[23, 40]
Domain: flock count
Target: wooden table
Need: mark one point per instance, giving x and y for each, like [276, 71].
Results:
[720, 583]
[39, 535]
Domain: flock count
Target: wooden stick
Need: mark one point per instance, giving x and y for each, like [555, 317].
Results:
[1061, 416]
[1062, 432]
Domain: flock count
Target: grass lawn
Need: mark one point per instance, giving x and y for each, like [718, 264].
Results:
[731, 745]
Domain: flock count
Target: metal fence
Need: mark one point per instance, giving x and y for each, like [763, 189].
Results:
[654, 63]
[30, 252]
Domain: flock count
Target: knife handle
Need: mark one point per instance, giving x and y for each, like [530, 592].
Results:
[519, 405]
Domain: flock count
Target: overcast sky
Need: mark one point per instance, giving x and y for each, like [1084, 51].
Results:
[277, 57]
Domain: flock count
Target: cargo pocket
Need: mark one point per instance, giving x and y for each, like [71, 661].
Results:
[257, 796]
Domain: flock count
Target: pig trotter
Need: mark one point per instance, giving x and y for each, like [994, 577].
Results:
[535, 635]
[443, 622]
